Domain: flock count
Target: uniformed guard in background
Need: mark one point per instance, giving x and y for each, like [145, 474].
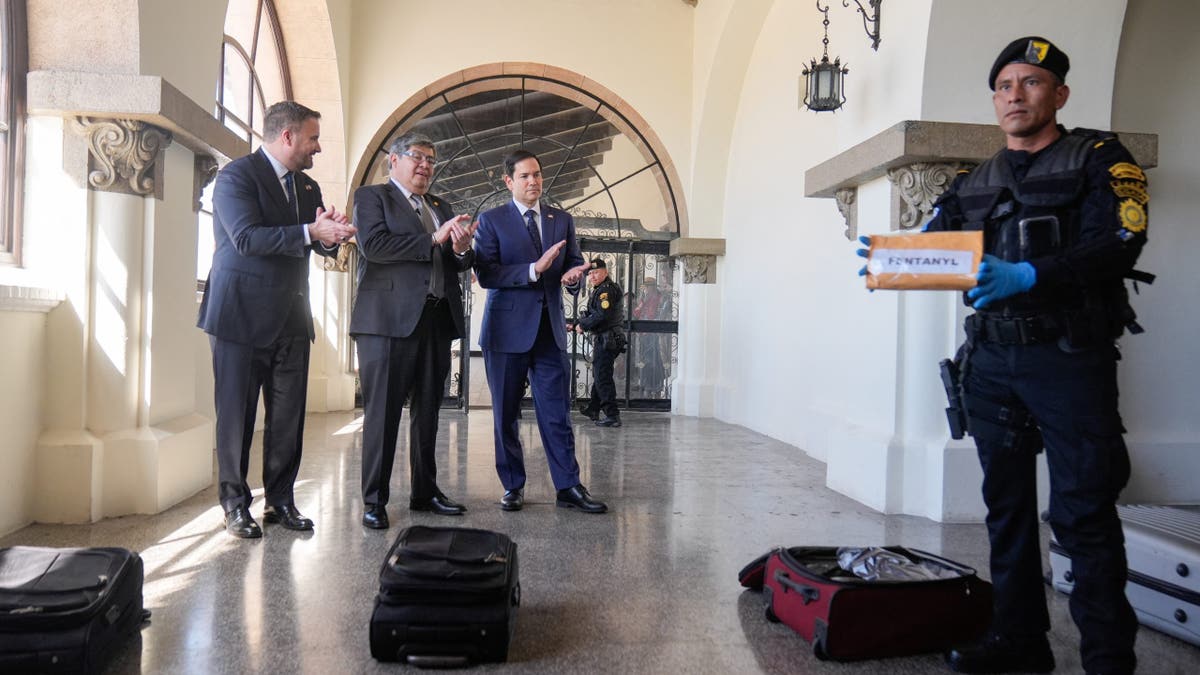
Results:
[602, 318]
[1064, 218]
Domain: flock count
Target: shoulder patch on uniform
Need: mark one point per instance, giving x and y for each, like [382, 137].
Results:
[1131, 189]
[1125, 171]
[604, 304]
[1133, 216]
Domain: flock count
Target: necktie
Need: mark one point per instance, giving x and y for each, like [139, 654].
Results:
[532, 226]
[437, 281]
[290, 188]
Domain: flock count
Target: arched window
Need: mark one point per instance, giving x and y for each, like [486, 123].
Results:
[254, 74]
[598, 164]
[13, 64]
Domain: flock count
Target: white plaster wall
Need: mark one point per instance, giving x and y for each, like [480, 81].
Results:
[1155, 92]
[958, 60]
[639, 50]
[808, 356]
[22, 360]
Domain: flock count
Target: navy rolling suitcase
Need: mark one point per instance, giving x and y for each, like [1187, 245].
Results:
[65, 610]
[448, 596]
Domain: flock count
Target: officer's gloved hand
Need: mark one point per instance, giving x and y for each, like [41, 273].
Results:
[998, 280]
[864, 252]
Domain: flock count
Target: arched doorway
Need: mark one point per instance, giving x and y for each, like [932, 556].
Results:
[601, 163]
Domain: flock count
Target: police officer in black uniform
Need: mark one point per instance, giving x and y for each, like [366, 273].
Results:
[1064, 218]
[602, 319]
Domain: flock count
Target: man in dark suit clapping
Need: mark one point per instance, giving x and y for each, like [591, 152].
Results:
[525, 252]
[408, 310]
[267, 216]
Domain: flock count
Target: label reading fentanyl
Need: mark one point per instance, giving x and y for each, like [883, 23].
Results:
[919, 261]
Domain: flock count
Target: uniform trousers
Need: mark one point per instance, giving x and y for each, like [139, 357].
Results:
[1072, 396]
[604, 389]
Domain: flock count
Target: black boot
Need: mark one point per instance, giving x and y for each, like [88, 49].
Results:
[995, 653]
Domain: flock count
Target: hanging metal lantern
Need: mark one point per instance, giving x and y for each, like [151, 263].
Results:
[824, 83]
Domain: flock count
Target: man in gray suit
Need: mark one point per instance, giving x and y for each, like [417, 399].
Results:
[267, 216]
[408, 310]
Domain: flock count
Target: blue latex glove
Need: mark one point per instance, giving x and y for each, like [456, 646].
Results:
[863, 253]
[998, 280]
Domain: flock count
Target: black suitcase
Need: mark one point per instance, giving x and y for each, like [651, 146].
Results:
[65, 610]
[447, 597]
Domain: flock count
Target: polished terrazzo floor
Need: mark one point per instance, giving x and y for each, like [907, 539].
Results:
[649, 587]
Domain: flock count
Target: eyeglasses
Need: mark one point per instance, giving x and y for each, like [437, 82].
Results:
[419, 157]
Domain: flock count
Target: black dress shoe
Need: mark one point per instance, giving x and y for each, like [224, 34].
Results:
[995, 653]
[439, 504]
[578, 498]
[589, 413]
[375, 517]
[608, 422]
[240, 524]
[513, 500]
[288, 516]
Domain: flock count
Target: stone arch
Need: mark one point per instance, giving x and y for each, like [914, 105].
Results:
[544, 78]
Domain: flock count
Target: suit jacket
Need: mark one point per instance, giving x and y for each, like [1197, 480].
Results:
[393, 278]
[503, 252]
[259, 272]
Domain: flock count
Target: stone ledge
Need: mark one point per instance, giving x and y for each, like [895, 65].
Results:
[920, 141]
[696, 246]
[141, 97]
[29, 299]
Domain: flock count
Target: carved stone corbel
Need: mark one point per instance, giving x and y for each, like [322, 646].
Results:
[845, 198]
[698, 258]
[342, 262]
[699, 269]
[918, 185]
[124, 156]
[204, 172]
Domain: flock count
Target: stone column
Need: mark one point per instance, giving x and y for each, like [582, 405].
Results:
[694, 385]
[122, 434]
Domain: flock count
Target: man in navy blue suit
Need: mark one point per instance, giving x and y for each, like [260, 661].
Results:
[267, 216]
[524, 253]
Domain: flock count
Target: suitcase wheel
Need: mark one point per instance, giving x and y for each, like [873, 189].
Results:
[819, 651]
[767, 612]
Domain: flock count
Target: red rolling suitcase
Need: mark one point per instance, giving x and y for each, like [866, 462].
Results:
[848, 618]
[65, 610]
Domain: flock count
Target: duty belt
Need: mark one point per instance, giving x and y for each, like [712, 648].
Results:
[1014, 330]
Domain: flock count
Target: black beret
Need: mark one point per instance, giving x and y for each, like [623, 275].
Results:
[1034, 50]
[598, 264]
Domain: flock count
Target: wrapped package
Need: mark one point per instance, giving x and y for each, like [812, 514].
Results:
[924, 260]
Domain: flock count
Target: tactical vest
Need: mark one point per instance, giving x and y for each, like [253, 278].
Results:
[1048, 199]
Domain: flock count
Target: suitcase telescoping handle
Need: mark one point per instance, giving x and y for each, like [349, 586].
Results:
[807, 593]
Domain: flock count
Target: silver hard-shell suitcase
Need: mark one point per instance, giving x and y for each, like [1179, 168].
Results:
[1162, 545]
